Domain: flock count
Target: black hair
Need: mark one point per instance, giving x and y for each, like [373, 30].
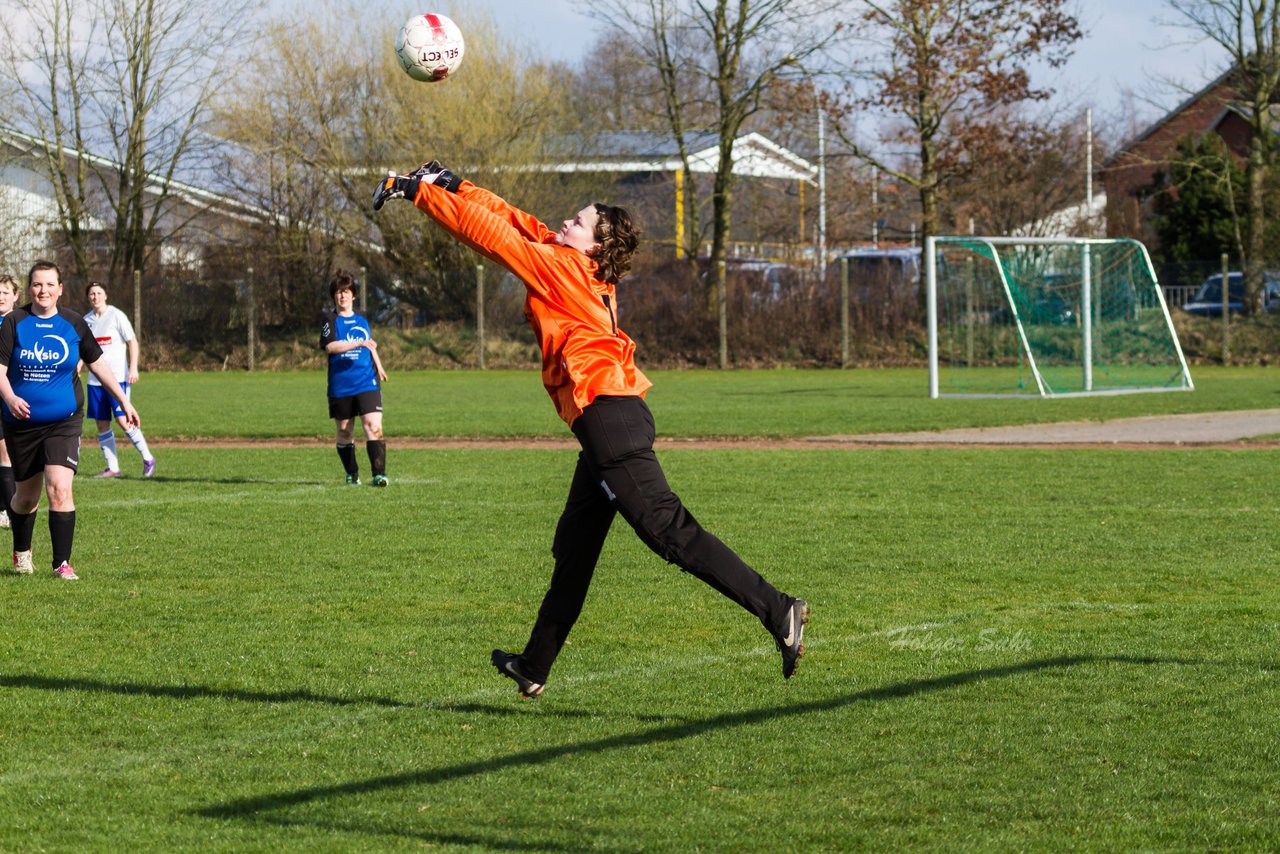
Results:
[342, 281]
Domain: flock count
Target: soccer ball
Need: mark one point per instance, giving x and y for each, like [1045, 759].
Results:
[429, 47]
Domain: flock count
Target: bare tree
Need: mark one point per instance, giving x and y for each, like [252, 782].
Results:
[132, 78]
[47, 75]
[311, 141]
[716, 60]
[938, 70]
[1249, 31]
[1023, 175]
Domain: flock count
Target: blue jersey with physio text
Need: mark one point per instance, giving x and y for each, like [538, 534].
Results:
[352, 372]
[39, 355]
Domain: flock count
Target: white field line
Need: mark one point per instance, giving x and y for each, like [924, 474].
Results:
[205, 497]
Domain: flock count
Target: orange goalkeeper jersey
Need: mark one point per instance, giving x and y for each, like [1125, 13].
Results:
[574, 316]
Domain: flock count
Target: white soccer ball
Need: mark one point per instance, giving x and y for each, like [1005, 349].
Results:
[429, 47]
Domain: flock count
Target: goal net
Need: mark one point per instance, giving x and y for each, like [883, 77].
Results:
[1047, 317]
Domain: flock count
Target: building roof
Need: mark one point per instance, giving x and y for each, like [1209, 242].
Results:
[1168, 117]
[186, 191]
[754, 155]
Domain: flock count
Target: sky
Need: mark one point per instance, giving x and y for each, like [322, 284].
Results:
[1121, 67]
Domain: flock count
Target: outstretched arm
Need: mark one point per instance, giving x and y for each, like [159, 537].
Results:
[528, 225]
[433, 174]
[543, 267]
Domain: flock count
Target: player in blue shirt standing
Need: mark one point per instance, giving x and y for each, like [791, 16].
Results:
[355, 372]
[40, 348]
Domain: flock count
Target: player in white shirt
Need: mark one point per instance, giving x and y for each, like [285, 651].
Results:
[9, 291]
[114, 334]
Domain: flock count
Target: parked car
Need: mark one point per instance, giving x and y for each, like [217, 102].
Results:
[763, 281]
[1207, 301]
[879, 271]
[1048, 310]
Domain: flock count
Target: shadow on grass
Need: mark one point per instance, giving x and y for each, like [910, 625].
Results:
[528, 840]
[204, 692]
[187, 692]
[250, 808]
[233, 481]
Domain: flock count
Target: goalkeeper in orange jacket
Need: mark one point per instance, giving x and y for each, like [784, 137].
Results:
[588, 368]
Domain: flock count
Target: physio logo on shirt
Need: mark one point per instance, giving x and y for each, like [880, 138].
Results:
[356, 333]
[47, 351]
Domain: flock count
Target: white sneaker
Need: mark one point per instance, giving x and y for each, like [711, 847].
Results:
[22, 563]
[4, 518]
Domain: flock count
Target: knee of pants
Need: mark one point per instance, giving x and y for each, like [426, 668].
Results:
[669, 529]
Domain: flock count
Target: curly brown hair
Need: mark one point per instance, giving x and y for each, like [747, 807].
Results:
[618, 237]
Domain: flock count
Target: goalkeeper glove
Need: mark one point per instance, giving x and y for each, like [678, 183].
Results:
[433, 173]
[395, 187]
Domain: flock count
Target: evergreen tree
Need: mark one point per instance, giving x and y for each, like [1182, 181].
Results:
[1195, 207]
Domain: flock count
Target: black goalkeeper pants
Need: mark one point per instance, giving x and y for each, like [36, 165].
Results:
[618, 472]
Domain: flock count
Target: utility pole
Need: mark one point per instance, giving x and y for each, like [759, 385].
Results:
[1088, 169]
[822, 196]
[252, 316]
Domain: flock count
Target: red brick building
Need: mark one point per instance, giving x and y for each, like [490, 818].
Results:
[1128, 174]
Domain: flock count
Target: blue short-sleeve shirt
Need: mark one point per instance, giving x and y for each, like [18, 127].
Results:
[352, 372]
[39, 355]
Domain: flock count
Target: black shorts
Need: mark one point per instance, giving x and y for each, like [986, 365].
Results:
[32, 447]
[364, 403]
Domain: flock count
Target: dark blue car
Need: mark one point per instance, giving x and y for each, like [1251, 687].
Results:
[1207, 301]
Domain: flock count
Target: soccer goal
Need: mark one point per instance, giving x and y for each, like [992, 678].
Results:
[1047, 317]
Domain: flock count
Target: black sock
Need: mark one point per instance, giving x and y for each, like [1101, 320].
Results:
[347, 453]
[7, 487]
[377, 449]
[24, 527]
[62, 531]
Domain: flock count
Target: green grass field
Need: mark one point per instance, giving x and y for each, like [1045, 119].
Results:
[1010, 650]
[777, 403]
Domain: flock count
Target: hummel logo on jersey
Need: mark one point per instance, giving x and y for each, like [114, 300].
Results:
[73, 462]
[44, 325]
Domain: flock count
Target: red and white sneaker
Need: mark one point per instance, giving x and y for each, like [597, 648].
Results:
[22, 563]
[65, 572]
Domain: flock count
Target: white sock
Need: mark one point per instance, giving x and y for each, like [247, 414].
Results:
[107, 442]
[135, 436]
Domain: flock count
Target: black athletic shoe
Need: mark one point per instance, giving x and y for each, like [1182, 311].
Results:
[509, 666]
[791, 641]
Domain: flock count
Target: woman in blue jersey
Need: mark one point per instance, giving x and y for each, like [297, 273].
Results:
[355, 372]
[40, 347]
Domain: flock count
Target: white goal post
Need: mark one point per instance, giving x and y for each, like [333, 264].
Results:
[1047, 317]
